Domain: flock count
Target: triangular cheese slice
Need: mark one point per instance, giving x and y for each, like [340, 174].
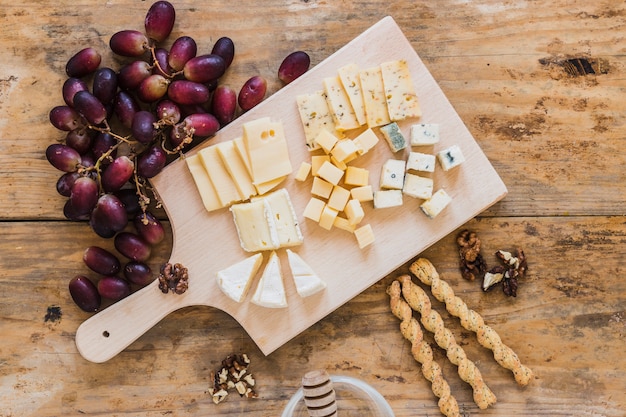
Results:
[235, 280]
[306, 280]
[270, 291]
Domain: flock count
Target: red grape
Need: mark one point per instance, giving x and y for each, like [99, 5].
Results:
[72, 215]
[109, 216]
[293, 66]
[116, 174]
[125, 107]
[168, 111]
[182, 50]
[252, 92]
[90, 107]
[84, 293]
[113, 288]
[83, 62]
[138, 273]
[131, 43]
[149, 228]
[104, 85]
[132, 246]
[65, 182]
[224, 104]
[131, 75]
[201, 124]
[65, 118]
[79, 139]
[225, 48]
[102, 143]
[204, 68]
[152, 88]
[128, 197]
[159, 20]
[188, 92]
[101, 261]
[151, 161]
[163, 68]
[143, 126]
[63, 158]
[70, 87]
[84, 195]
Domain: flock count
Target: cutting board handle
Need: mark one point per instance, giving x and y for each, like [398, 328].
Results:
[110, 331]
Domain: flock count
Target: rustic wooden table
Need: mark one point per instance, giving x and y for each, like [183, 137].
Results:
[540, 84]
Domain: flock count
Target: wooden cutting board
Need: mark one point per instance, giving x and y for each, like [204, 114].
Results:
[207, 242]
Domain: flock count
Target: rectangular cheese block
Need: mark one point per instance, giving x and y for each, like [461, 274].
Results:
[267, 149]
[419, 161]
[418, 187]
[314, 208]
[315, 116]
[243, 153]
[365, 141]
[344, 224]
[220, 178]
[339, 104]
[268, 186]
[356, 176]
[317, 161]
[434, 205]
[284, 218]
[363, 193]
[393, 136]
[349, 76]
[256, 230]
[210, 201]
[402, 102]
[392, 174]
[423, 134]
[236, 168]
[387, 198]
[374, 97]
[338, 198]
[364, 236]
[450, 157]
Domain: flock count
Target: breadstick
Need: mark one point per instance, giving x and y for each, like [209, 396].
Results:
[421, 351]
[471, 320]
[418, 300]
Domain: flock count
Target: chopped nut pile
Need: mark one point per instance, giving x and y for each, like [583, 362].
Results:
[472, 262]
[233, 375]
[174, 278]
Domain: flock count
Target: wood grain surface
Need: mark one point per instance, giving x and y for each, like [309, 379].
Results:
[539, 84]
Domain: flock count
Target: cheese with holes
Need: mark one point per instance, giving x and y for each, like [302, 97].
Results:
[376, 112]
[435, 204]
[236, 168]
[387, 198]
[419, 161]
[306, 280]
[401, 98]
[255, 227]
[423, 134]
[220, 178]
[339, 104]
[349, 75]
[418, 187]
[315, 116]
[203, 183]
[235, 280]
[393, 136]
[450, 157]
[365, 141]
[270, 291]
[392, 174]
[267, 150]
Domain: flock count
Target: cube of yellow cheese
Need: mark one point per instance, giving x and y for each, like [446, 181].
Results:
[338, 198]
[356, 176]
[354, 211]
[321, 188]
[313, 209]
[364, 236]
[365, 141]
[330, 173]
[344, 224]
[345, 150]
[326, 140]
[303, 171]
[317, 161]
[327, 219]
[363, 193]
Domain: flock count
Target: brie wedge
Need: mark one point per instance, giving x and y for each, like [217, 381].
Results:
[235, 280]
[306, 280]
[270, 291]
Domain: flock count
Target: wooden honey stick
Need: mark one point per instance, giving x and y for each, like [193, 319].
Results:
[319, 394]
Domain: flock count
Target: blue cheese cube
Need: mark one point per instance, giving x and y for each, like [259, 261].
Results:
[418, 187]
[392, 174]
[423, 162]
[387, 198]
[393, 136]
[450, 157]
[434, 205]
[423, 134]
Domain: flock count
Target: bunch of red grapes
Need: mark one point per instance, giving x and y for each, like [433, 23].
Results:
[124, 125]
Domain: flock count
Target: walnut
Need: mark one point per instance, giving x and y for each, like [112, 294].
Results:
[515, 268]
[492, 277]
[233, 375]
[472, 263]
[173, 277]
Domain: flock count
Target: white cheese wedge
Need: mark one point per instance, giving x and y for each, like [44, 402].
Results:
[394, 137]
[203, 183]
[423, 134]
[339, 104]
[402, 102]
[418, 187]
[435, 205]
[392, 174]
[315, 116]
[349, 75]
[267, 150]
[387, 198]
[306, 280]
[419, 161]
[284, 218]
[374, 97]
[450, 157]
[255, 227]
[270, 291]
[235, 280]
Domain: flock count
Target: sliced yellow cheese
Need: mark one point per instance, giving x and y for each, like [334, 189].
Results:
[306, 280]
[220, 178]
[374, 97]
[284, 217]
[203, 183]
[268, 186]
[243, 153]
[235, 280]
[315, 116]
[339, 104]
[349, 75]
[267, 150]
[236, 168]
[402, 102]
[270, 291]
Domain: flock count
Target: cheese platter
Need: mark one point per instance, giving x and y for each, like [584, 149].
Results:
[207, 242]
